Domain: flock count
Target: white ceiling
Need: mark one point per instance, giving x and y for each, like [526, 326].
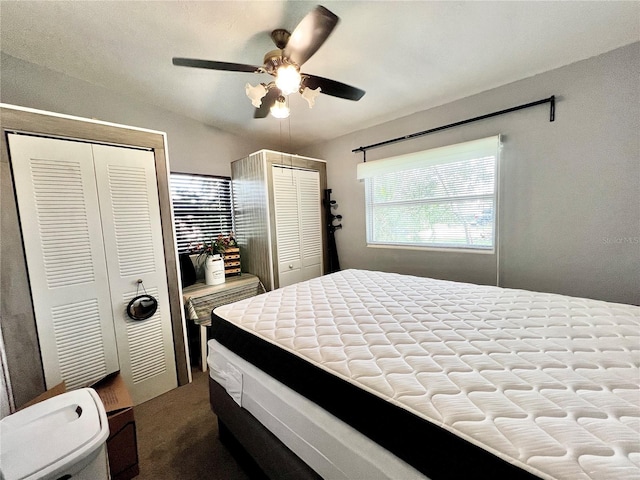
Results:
[407, 56]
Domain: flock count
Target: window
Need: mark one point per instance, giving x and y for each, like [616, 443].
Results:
[201, 208]
[440, 198]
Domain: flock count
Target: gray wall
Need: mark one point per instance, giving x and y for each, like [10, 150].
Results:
[570, 201]
[569, 190]
[193, 146]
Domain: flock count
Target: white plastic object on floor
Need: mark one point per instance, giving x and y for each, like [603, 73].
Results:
[62, 437]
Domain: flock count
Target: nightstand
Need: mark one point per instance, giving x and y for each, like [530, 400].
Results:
[200, 299]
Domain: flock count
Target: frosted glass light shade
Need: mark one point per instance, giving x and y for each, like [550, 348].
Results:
[279, 108]
[310, 95]
[288, 79]
[255, 93]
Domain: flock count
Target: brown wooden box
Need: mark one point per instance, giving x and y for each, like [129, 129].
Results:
[232, 265]
[122, 444]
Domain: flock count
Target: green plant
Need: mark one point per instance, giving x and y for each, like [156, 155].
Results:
[215, 246]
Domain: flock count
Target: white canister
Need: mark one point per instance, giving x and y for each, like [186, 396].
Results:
[213, 270]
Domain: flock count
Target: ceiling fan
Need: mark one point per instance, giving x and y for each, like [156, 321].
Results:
[284, 64]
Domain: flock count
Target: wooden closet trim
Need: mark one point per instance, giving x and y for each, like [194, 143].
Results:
[18, 320]
[83, 129]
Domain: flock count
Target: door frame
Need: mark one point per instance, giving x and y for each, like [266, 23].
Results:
[18, 320]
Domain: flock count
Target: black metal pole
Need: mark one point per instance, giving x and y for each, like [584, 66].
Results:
[552, 116]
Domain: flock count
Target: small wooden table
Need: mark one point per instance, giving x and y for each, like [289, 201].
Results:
[200, 299]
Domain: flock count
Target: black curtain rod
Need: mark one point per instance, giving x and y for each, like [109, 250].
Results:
[552, 114]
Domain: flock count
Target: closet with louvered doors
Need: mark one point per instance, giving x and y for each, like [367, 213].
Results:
[277, 210]
[90, 222]
[296, 197]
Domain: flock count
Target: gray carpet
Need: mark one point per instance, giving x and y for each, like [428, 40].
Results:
[178, 437]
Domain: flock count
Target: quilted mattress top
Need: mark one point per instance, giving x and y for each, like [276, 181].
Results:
[547, 382]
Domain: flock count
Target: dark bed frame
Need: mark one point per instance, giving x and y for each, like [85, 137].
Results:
[236, 426]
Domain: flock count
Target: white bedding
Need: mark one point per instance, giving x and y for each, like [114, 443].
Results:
[547, 382]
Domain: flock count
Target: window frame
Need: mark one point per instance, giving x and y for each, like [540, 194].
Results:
[494, 196]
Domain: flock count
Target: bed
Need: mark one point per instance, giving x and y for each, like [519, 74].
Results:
[362, 374]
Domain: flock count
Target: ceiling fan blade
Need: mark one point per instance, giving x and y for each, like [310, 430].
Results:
[310, 34]
[332, 87]
[267, 102]
[212, 65]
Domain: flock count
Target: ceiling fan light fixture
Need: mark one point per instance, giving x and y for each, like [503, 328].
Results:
[256, 93]
[279, 108]
[288, 79]
[283, 63]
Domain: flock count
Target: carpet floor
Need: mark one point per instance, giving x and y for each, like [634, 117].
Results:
[178, 437]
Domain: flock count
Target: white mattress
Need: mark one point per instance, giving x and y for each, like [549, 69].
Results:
[329, 446]
[549, 383]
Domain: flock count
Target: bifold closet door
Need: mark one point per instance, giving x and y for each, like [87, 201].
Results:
[130, 214]
[62, 234]
[90, 220]
[310, 211]
[298, 227]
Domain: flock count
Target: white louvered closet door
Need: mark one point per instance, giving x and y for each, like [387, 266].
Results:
[298, 225]
[132, 232]
[310, 223]
[58, 206]
[287, 227]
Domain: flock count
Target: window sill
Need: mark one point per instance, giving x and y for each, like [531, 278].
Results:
[490, 251]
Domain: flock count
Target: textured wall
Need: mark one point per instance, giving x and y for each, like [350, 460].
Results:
[193, 146]
[569, 190]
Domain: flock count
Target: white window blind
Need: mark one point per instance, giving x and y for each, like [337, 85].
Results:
[201, 208]
[440, 198]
